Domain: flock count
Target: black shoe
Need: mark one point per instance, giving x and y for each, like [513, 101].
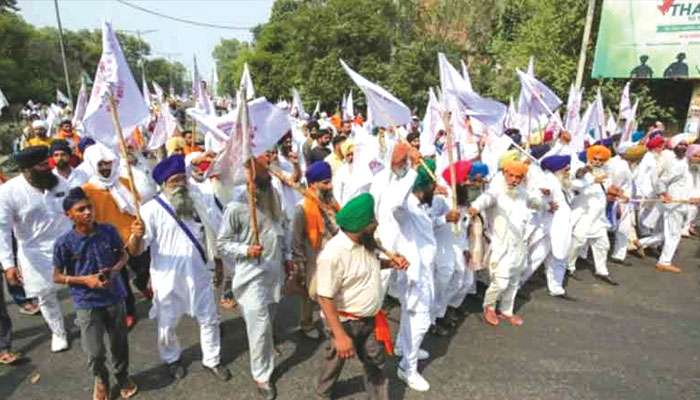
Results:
[176, 370]
[438, 330]
[573, 275]
[606, 279]
[222, 373]
[456, 313]
[563, 296]
[446, 322]
[267, 391]
[619, 262]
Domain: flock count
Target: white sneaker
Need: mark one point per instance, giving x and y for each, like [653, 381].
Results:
[422, 354]
[58, 343]
[415, 381]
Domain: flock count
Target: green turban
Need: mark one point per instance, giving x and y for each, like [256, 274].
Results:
[423, 180]
[357, 214]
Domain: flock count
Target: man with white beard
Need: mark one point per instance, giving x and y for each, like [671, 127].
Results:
[173, 226]
[588, 217]
[415, 240]
[693, 155]
[557, 224]
[31, 206]
[506, 204]
[673, 184]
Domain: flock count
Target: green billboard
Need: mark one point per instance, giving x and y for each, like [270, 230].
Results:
[648, 39]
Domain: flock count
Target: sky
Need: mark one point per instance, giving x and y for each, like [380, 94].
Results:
[182, 40]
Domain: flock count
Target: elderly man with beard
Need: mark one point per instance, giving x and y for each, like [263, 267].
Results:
[313, 225]
[257, 283]
[349, 290]
[410, 204]
[508, 203]
[31, 206]
[61, 154]
[173, 226]
[345, 184]
[113, 203]
[558, 223]
[588, 216]
[673, 184]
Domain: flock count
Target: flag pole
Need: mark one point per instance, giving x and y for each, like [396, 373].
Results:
[122, 147]
[250, 173]
[450, 158]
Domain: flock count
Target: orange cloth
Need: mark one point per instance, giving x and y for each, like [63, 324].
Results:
[598, 151]
[106, 209]
[336, 121]
[191, 149]
[382, 332]
[359, 120]
[314, 219]
[515, 167]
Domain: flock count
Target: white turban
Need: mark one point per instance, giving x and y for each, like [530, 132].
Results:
[40, 123]
[120, 193]
[677, 139]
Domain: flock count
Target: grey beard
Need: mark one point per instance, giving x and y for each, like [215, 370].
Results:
[180, 198]
[564, 180]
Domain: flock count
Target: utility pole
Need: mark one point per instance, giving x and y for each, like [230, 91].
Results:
[63, 52]
[584, 43]
[138, 33]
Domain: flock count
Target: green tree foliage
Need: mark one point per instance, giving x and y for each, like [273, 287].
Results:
[31, 66]
[395, 44]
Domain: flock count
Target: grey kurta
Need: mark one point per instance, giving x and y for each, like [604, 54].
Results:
[256, 283]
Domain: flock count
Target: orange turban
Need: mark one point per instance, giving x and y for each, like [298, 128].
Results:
[598, 151]
[515, 167]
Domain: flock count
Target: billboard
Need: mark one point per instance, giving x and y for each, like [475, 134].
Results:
[648, 39]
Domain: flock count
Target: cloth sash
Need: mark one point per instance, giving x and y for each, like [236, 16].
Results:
[382, 332]
[184, 228]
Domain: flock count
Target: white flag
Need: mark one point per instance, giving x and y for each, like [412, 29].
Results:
[146, 93]
[536, 98]
[60, 97]
[630, 122]
[432, 124]
[625, 104]
[349, 108]
[247, 83]
[465, 75]
[611, 125]
[229, 164]
[81, 104]
[385, 109]
[298, 105]
[199, 92]
[591, 126]
[317, 109]
[459, 99]
[512, 116]
[159, 91]
[573, 109]
[113, 77]
[3, 101]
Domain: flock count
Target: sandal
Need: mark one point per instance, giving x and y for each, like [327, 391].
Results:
[128, 390]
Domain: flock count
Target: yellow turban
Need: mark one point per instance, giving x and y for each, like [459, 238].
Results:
[635, 153]
[535, 138]
[515, 167]
[510, 155]
[598, 151]
[174, 143]
[347, 147]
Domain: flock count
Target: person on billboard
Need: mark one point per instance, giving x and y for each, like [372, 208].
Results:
[642, 71]
[677, 69]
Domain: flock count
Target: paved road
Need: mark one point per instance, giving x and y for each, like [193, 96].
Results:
[640, 340]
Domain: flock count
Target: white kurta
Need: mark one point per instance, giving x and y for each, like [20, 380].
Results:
[76, 178]
[345, 187]
[288, 196]
[37, 220]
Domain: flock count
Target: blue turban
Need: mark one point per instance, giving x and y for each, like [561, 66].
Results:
[478, 168]
[514, 135]
[74, 195]
[31, 156]
[608, 142]
[582, 156]
[318, 171]
[85, 143]
[555, 163]
[539, 150]
[637, 136]
[170, 166]
[60, 145]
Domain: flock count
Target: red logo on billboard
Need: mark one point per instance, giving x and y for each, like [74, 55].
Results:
[665, 6]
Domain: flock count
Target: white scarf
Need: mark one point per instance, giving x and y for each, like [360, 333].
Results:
[121, 195]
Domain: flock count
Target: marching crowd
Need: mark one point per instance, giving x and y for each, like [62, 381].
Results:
[341, 231]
